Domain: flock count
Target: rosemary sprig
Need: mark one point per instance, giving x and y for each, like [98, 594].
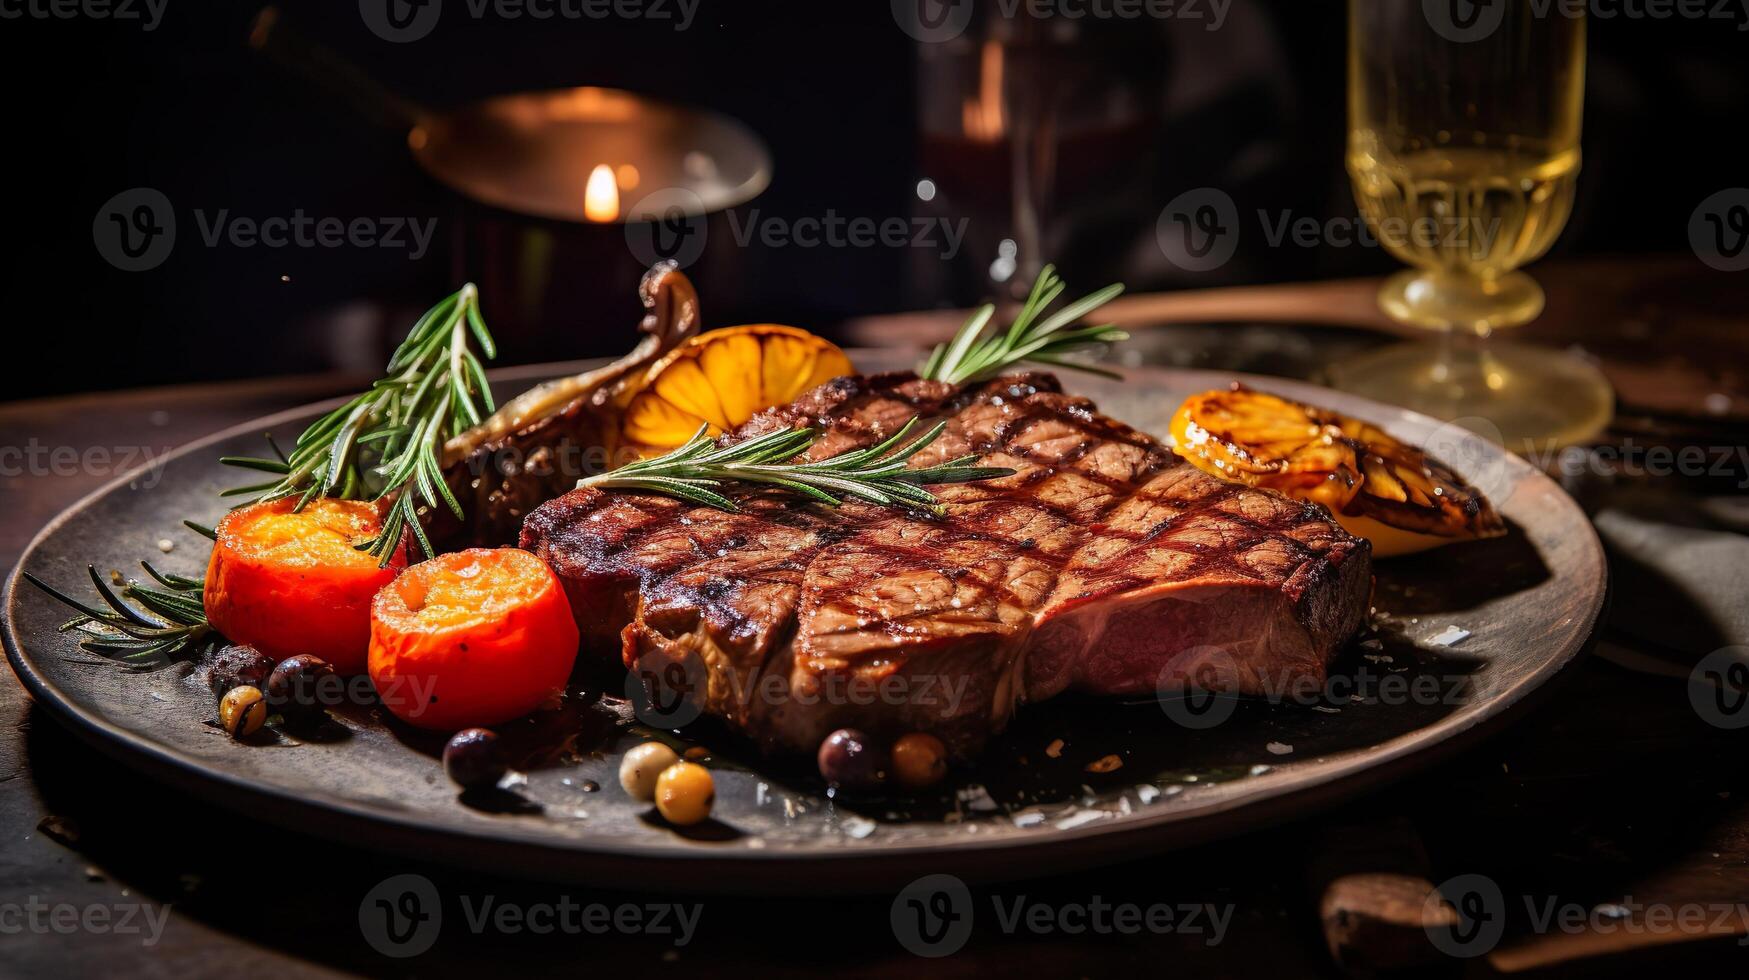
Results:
[876, 474]
[164, 622]
[388, 441]
[970, 356]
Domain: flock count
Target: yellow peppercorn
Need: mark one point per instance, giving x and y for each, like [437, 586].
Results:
[684, 793]
[242, 710]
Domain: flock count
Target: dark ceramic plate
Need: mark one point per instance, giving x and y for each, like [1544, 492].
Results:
[1465, 635]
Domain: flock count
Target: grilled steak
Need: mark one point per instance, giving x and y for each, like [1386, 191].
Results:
[1105, 564]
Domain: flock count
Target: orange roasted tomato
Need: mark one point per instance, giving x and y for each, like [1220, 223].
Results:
[471, 638]
[290, 582]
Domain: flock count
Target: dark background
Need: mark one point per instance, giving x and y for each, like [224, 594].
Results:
[97, 107]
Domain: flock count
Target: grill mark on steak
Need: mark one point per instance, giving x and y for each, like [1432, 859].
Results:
[1097, 565]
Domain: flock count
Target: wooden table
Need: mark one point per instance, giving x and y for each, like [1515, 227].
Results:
[1612, 792]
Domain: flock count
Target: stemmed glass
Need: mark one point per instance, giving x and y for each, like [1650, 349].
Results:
[1463, 150]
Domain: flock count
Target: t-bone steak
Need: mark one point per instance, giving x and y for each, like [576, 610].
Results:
[1105, 564]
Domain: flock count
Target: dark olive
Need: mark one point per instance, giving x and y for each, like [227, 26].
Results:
[473, 759]
[850, 759]
[237, 665]
[297, 687]
[242, 711]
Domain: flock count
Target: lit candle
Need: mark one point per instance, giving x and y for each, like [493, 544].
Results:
[601, 195]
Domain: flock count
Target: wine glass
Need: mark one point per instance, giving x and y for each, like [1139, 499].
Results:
[1463, 150]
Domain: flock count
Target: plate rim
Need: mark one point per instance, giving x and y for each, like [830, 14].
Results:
[542, 856]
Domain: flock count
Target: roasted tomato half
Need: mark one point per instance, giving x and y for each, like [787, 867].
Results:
[290, 581]
[471, 638]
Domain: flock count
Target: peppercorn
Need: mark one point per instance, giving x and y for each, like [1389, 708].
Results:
[294, 689]
[242, 710]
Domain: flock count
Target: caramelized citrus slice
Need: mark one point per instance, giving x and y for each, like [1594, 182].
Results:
[1393, 494]
[721, 378]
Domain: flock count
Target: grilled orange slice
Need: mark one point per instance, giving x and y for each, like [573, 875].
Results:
[720, 379]
[1394, 495]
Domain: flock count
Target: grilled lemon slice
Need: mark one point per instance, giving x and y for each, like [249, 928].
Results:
[1394, 495]
[720, 379]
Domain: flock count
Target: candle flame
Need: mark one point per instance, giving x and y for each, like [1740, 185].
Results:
[601, 195]
[981, 115]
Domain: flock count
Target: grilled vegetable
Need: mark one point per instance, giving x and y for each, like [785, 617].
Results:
[717, 380]
[469, 638]
[1394, 495]
[290, 582]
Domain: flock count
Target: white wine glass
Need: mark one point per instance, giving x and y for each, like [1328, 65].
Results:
[1463, 152]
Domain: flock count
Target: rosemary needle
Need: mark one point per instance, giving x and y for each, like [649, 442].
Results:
[698, 470]
[164, 621]
[971, 356]
[387, 442]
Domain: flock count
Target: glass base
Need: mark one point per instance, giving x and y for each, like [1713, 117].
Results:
[1463, 303]
[1531, 400]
